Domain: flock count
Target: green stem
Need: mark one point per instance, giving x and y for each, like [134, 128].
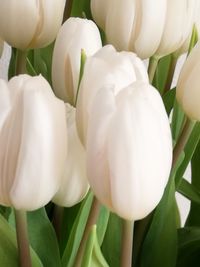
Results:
[21, 62]
[92, 219]
[153, 63]
[68, 8]
[182, 140]
[58, 220]
[127, 243]
[170, 75]
[22, 238]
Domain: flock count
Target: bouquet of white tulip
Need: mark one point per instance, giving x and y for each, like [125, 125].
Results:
[94, 145]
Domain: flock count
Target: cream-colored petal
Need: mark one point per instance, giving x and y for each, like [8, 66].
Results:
[42, 151]
[18, 21]
[74, 35]
[74, 184]
[139, 151]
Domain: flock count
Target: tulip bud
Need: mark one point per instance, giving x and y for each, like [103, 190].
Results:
[74, 185]
[178, 25]
[187, 91]
[32, 141]
[134, 25]
[129, 149]
[106, 67]
[75, 34]
[1, 46]
[30, 24]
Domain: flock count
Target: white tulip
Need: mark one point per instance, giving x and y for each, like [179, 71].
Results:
[29, 24]
[75, 34]
[187, 92]
[99, 11]
[106, 67]
[74, 185]
[33, 142]
[134, 25]
[178, 25]
[129, 149]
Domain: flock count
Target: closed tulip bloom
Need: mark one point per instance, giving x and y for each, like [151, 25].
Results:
[177, 27]
[74, 185]
[133, 25]
[30, 24]
[32, 141]
[75, 34]
[106, 67]
[129, 149]
[187, 92]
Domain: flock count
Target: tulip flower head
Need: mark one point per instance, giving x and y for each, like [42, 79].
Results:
[129, 149]
[145, 27]
[33, 142]
[106, 67]
[30, 24]
[74, 185]
[188, 89]
[75, 34]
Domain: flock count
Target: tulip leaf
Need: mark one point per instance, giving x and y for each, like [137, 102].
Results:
[8, 247]
[189, 151]
[161, 73]
[189, 191]
[77, 231]
[169, 99]
[81, 8]
[111, 246]
[177, 120]
[160, 244]
[92, 254]
[194, 214]
[5, 212]
[76, 234]
[43, 238]
[189, 247]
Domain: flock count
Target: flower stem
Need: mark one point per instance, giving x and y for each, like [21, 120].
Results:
[92, 219]
[182, 140]
[22, 238]
[153, 63]
[170, 75]
[127, 243]
[21, 62]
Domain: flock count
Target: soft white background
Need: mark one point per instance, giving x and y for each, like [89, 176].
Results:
[182, 202]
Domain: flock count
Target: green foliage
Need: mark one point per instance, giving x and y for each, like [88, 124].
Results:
[43, 238]
[189, 247]
[92, 254]
[160, 245]
[8, 247]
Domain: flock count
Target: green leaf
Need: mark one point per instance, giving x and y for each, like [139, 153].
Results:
[161, 73]
[43, 238]
[169, 99]
[92, 254]
[160, 245]
[111, 246]
[81, 8]
[189, 247]
[194, 214]
[177, 120]
[8, 247]
[102, 224]
[77, 231]
[189, 151]
[189, 191]
[5, 212]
